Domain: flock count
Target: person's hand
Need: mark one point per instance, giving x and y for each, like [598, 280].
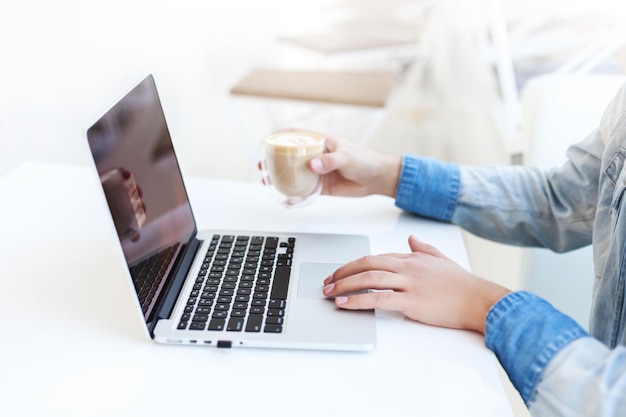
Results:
[424, 285]
[353, 171]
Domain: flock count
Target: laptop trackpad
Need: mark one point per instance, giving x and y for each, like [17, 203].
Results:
[312, 276]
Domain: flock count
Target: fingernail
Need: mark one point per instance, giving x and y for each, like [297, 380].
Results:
[316, 165]
[328, 280]
[341, 300]
[329, 288]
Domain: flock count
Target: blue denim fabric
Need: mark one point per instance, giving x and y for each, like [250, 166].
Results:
[568, 207]
[526, 332]
[437, 180]
[584, 379]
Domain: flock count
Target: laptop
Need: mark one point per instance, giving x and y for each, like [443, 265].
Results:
[214, 288]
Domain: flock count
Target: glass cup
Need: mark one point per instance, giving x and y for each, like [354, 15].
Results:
[284, 164]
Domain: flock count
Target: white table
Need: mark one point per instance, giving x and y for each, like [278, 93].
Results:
[70, 346]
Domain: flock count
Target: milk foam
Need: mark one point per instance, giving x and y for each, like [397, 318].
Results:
[295, 139]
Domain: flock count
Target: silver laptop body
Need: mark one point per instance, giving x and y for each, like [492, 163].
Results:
[223, 288]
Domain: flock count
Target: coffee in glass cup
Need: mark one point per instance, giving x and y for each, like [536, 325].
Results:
[284, 163]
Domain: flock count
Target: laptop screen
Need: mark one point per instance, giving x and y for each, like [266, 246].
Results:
[133, 153]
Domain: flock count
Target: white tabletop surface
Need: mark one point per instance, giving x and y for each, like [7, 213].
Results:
[71, 346]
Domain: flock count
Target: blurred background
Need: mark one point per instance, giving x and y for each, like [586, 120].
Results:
[469, 81]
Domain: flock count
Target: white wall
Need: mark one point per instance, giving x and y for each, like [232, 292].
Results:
[63, 63]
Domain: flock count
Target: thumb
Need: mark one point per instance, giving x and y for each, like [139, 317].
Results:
[317, 166]
[326, 163]
[414, 243]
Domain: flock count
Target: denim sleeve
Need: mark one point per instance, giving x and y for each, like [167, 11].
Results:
[526, 333]
[509, 204]
[584, 379]
[558, 369]
[428, 187]
[527, 206]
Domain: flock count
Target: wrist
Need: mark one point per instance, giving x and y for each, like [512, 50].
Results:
[486, 294]
[388, 176]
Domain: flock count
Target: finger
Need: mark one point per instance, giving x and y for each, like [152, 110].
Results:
[368, 280]
[388, 263]
[383, 300]
[331, 143]
[417, 245]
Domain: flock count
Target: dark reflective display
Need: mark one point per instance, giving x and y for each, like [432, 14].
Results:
[141, 179]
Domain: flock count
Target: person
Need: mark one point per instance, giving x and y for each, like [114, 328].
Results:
[558, 368]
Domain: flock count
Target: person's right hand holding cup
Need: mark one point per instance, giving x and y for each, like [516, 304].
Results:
[284, 163]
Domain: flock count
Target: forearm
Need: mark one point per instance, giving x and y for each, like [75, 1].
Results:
[509, 204]
[533, 207]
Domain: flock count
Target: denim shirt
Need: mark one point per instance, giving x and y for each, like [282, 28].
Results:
[556, 366]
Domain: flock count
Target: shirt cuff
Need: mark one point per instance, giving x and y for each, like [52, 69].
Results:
[428, 187]
[526, 332]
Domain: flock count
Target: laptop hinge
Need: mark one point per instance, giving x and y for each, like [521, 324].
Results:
[176, 282]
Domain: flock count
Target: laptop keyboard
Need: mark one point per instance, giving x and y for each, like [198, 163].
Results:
[242, 285]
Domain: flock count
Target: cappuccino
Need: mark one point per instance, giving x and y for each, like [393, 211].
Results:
[286, 158]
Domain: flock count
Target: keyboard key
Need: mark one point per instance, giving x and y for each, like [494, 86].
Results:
[274, 320]
[196, 325]
[203, 318]
[217, 324]
[254, 323]
[273, 328]
[235, 324]
[277, 304]
[281, 282]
